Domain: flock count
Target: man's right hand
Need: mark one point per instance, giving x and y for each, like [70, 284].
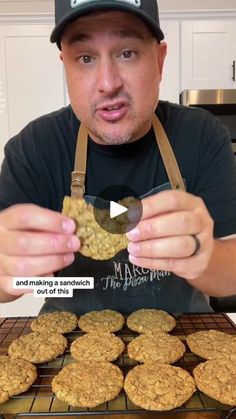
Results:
[34, 241]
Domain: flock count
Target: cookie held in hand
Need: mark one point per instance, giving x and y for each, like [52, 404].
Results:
[96, 242]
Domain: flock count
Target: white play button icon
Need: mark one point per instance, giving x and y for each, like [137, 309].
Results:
[113, 206]
[116, 209]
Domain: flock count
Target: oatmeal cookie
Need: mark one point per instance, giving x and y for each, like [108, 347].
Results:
[156, 347]
[97, 347]
[88, 383]
[154, 386]
[213, 344]
[16, 376]
[217, 379]
[96, 242]
[149, 320]
[38, 347]
[101, 321]
[57, 321]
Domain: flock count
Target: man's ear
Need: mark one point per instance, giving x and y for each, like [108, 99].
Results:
[162, 50]
[162, 55]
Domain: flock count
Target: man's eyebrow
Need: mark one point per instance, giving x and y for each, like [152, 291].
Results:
[78, 37]
[119, 33]
[127, 33]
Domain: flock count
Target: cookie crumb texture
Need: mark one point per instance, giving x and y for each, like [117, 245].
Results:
[97, 347]
[57, 321]
[96, 242]
[153, 386]
[38, 347]
[217, 379]
[16, 376]
[149, 320]
[213, 344]
[88, 384]
[156, 347]
[101, 321]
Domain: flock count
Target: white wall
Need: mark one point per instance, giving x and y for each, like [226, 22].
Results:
[47, 6]
[30, 6]
[196, 4]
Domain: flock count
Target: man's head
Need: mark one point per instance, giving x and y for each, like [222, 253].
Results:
[113, 61]
[68, 10]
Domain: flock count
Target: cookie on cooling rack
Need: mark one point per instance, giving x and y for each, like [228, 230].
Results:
[97, 347]
[157, 347]
[57, 321]
[213, 344]
[16, 376]
[38, 347]
[154, 386]
[88, 383]
[217, 379]
[149, 320]
[101, 321]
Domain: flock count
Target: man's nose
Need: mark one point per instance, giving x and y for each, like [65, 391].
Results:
[109, 78]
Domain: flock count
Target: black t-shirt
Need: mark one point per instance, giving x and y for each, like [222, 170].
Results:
[37, 169]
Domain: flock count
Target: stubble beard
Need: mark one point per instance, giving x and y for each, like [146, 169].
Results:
[115, 137]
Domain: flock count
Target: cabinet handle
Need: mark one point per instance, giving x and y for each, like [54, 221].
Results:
[233, 78]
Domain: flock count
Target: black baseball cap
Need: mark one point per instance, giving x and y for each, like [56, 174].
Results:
[68, 10]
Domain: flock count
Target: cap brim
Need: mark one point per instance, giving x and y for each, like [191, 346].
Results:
[103, 6]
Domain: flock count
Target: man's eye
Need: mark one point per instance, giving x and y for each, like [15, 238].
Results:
[85, 59]
[128, 54]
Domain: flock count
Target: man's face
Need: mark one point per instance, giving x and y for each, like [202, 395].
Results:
[113, 68]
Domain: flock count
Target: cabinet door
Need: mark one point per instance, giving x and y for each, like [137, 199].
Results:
[31, 77]
[208, 53]
[170, 85]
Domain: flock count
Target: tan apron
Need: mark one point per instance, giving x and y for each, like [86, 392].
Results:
[118, 284]
[168, 157]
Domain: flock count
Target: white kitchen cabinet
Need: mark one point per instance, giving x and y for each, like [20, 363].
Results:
[170, 85]
[31, 84]
[208, 54]
[31, 77]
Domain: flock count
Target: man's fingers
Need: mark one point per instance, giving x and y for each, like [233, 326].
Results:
[168, 201]
[33, 266]
[22, 243]
[188, 268]
[167, 225]
[7, 287]
[178, 247]
[33, 217]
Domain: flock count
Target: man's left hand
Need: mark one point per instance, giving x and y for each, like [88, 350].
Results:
[164, 238]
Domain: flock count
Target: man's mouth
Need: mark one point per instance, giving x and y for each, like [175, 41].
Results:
[113, 108]
[112, 112]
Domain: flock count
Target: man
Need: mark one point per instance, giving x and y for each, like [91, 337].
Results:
[113, 53]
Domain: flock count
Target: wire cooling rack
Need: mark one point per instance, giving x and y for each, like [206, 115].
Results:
[40, 401]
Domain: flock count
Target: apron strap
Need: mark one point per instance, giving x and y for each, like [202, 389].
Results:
[79, 173]
[168, 157]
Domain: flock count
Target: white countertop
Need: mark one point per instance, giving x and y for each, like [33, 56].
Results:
[232, 316]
